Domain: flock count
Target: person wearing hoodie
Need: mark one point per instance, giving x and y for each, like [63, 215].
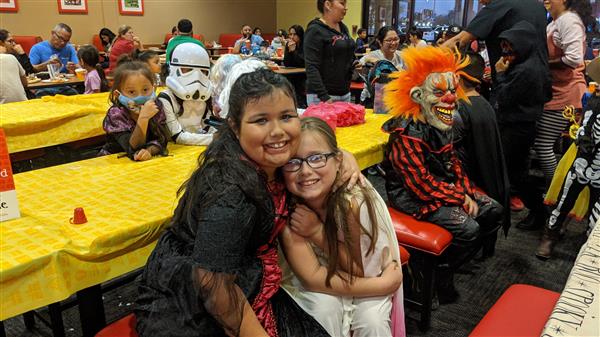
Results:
[329, 54]
[523, 85]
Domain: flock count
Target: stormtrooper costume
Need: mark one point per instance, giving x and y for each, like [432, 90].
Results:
[186, 100]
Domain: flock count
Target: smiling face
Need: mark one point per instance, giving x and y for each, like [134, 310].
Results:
[437, 97]
[390, 42]
[313, 184]
[270, 130]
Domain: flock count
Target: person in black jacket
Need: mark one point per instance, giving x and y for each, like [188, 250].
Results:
[294, 57]
[522, 80]
[7, 41]
[329, 54]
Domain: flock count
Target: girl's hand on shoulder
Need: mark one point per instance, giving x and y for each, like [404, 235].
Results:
[142, 155]
[350, 172]
[149, 109]
[391, 277]
[305, 222]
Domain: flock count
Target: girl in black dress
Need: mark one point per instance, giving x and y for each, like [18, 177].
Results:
[214, 271]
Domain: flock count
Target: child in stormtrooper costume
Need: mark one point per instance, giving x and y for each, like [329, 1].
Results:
[186, 100]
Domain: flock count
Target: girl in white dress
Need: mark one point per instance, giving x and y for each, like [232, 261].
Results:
[339, 241]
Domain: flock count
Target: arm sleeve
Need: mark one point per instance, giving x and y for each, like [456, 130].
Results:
[177, 134]
[24, 61]
[35, 56]
[513, 86]
[73, 55]
[407, 158]
[94, 82]
[571, 36]
[486, 19]
[313, 52]
[117, 127]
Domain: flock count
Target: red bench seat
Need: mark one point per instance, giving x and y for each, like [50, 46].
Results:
[522, 310]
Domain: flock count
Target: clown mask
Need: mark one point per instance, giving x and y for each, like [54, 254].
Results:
[437, 98]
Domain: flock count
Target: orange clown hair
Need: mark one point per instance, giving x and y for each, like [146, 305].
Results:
[419, 63]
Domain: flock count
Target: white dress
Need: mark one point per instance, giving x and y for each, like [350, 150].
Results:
[367, 316]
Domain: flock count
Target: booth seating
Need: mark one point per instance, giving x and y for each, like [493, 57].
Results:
[228, 40]
[97, 42]
[430, 240]
[125, 327]
[27, 41]
[522, 310]
[198, 37]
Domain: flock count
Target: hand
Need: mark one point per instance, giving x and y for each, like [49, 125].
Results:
[71, 67]
[470, 206]
[389, 277]
[142, 155]
[54, 60]
[305, 222]
[502, 65]
[148, 110]
[350, 172]
[136, 39]
[291, 45]
[18, 49]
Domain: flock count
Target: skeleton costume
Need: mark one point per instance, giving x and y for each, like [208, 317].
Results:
[187, 98]
[424, 177]
[584, 172]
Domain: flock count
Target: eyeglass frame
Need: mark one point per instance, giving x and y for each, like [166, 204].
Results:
[306, 160]
[62, 39]
[391, 41]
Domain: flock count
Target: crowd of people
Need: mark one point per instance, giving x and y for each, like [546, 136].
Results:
[276, 233]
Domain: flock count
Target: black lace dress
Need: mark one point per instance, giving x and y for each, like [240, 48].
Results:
[225, 253]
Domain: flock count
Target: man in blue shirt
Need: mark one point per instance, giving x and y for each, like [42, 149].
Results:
[241, 45]
[56, 50]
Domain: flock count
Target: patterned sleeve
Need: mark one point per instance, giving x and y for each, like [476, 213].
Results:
[407, 157]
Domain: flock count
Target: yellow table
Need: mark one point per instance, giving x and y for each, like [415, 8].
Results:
[52, 120]
[45, 259]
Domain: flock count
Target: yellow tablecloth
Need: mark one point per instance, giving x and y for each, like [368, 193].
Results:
[45, 259]
[52, 120]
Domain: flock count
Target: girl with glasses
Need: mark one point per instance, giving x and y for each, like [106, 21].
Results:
[338, 241]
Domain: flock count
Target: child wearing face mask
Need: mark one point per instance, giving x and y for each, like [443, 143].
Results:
[134, 124]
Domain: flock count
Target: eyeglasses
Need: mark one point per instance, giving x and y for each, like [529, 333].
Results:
[314, 161]
[61, 38]
[391, 40]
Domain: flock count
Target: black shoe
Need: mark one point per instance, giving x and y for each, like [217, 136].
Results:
[532, 222]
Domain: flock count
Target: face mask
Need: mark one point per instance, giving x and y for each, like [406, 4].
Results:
[135, 101]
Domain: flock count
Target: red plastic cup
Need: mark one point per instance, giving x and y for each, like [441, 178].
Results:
[78, 216]
[595, 52]
[279, 52]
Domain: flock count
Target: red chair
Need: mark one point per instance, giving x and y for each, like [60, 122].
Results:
[404, 256]
[268, 37]
[198, 37]
[430, 240]
[27, 41]
[356, 89]
[97, 42]
[522, 310]
[228, 40]
[125, 327]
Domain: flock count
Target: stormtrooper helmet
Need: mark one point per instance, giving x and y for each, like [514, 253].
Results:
[189, 72]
